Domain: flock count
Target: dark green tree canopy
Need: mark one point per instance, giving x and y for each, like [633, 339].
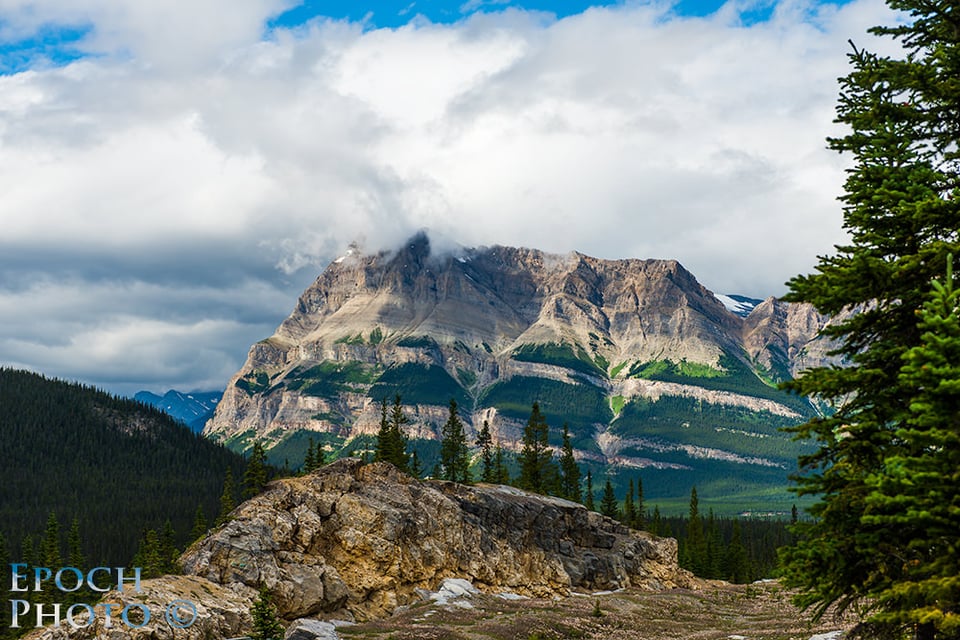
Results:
[454, 455]
[537, 470]
[902, 211]
[391, 437]
[569, 470]
[608, 503]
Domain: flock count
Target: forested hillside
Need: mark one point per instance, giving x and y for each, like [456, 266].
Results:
[115, 465]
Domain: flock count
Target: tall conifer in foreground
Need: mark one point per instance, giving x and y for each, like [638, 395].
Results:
[915, 498]
[901, 209]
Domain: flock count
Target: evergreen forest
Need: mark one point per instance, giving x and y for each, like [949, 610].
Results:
[115, 467]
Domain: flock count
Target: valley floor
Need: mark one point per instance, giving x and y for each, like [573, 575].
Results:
[761, 611]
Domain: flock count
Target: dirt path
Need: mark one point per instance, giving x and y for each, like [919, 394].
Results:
[719, 612]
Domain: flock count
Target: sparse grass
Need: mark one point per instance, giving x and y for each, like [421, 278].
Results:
[714, 613]
[616, 405]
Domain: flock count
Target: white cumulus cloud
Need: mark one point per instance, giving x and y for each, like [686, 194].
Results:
[195, 160]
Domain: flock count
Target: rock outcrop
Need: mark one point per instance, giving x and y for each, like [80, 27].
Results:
[354, 541]
[359, 540]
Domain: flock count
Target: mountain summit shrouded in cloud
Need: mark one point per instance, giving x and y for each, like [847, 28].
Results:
[169, 188]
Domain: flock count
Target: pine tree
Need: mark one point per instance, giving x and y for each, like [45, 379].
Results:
[640, 522]
[149, 557]
[737, 561]
[608, 502]
[266, 626]
[416, 467]
[397, 419]
[391, 439]
[629, 513]
[901, 207]
[454, 456]
[168, 549]
[915, 497]
[309, 461]
[28, 550]
[656, 527]
[485, 442]
[536, 458]
[50, 554]
[200, 527]
[501, 474]
[255, 477]
[384, 447]
[569, 470]
[75, 557]
[716, 549]
[588, 498]
[227, 502]
[694, 557]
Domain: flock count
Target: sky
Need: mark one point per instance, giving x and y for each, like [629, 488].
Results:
[173, 175]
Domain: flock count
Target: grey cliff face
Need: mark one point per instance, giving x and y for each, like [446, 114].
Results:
[470, 314]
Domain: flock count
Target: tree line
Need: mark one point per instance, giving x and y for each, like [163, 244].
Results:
[711, 547]
[116, 466]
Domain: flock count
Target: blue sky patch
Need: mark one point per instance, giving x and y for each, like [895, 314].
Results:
[52, 45]
[60, 44]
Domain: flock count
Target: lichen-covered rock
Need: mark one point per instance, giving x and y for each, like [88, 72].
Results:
[365, 537]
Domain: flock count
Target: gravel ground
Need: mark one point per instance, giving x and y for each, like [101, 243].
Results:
[719, 611]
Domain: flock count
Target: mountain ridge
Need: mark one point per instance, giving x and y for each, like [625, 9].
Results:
[615, 348]
[193, 408]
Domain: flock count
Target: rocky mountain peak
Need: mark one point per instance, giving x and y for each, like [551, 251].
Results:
[599, 343]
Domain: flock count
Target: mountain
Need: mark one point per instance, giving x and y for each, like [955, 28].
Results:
[655, 376]
[115, 465]
[740, 305]
[193, 409]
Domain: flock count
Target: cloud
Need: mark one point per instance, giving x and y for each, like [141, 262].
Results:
[165, 36]
[165, 201]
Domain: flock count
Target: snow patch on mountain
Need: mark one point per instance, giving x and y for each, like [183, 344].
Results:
[740, 305]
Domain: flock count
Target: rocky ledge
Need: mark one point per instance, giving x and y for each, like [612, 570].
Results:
[354, 541]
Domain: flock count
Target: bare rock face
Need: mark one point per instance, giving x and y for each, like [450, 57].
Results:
[482, 318]
[360, 540]
[467, 315]
[354, 541]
